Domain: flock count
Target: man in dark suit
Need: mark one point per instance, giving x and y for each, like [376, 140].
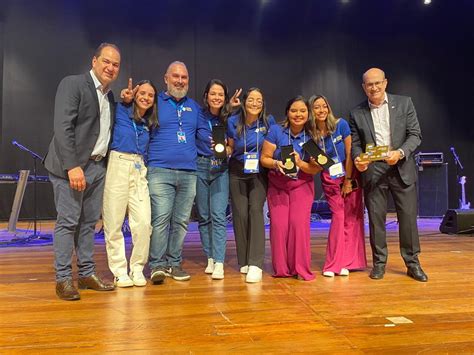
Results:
[388, 120]
[83, 119]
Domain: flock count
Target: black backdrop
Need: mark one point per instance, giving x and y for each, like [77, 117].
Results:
[286, 47]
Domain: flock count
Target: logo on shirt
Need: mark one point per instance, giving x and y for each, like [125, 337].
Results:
[189, 109]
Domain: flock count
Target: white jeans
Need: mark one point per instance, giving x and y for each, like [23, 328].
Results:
[126, 188]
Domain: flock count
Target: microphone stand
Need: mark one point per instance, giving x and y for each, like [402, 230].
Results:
[35, 158]
[459, 167]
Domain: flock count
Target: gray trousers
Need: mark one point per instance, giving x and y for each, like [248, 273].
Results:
[406, 205]
[78, 213]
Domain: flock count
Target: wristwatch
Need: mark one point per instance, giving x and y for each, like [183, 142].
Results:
[402, 153]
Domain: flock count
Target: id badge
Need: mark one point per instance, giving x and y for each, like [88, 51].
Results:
[250, 163]
[181, 137]
[336, 171]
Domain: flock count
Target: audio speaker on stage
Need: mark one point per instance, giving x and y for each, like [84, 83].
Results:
[432, 190]
[458, 222]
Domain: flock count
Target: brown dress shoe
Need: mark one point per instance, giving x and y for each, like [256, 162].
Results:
[93, 282]
[66, 291]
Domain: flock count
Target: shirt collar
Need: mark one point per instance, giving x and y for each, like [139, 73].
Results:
[385, 101]
[98, 84]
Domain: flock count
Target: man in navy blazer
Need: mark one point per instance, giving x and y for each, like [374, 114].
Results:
[388, 120]
[83, 119]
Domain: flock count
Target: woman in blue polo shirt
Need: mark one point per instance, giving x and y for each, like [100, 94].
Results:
[212, 187]
[290, 196]
[126, 186]
[248, 181]
[346, 246]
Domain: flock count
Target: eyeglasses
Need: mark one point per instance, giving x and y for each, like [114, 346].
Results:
[376, 84]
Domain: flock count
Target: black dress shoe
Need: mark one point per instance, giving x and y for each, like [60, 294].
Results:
[93, 282]
[66, 291]
[377, 272]
[415, 272]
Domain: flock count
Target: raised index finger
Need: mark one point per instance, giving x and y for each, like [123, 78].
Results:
[130, 84]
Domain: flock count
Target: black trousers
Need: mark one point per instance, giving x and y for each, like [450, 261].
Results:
[248, 193]
[406, 205]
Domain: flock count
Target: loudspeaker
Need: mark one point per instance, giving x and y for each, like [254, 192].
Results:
[432, 190]
[458, 222]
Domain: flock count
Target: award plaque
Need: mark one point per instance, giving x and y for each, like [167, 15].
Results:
[218, 136]
[288, 159]
[374, 153]
[318, 154]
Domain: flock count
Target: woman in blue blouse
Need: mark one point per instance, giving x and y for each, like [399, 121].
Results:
[212, 187]
[346, 245]
[290, 198]
[248, 181]
[126, 186]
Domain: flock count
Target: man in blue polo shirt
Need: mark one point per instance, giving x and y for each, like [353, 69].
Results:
[172, 174]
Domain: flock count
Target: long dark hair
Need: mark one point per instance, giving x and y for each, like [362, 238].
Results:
[331, 120]
[309, 125]
[224, 112]
[151, 115]
[243, 115]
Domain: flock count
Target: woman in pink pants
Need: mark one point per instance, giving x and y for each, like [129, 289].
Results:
[290, 197]
[346, 245]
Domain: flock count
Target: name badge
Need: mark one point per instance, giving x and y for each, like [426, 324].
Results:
[250, 163]
[336, 171]
[181, 137]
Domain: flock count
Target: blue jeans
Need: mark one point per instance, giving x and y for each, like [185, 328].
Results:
[212, 196]
[172, 194]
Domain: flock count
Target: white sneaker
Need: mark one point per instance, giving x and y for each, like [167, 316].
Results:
[123, 281]
[328, 274]
[344, 272]
[218, 273]
[244, 269]
[254, 274]
[210, 266]
[138, 278]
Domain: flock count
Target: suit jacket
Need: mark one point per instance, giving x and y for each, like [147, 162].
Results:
[404, 130]
[76, 124]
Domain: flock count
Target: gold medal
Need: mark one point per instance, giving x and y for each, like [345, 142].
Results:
[322, 159]
[289, 164]
[219, 147]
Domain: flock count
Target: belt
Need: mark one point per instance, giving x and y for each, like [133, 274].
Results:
[96, 157]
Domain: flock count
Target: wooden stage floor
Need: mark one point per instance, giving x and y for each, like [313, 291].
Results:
[353, 314]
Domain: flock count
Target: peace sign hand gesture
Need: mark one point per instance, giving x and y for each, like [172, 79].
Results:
[234, 100]
[128, 93]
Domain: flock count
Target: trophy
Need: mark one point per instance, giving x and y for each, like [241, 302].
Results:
[374, 153]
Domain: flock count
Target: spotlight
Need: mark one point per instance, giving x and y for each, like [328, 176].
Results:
[427, 2]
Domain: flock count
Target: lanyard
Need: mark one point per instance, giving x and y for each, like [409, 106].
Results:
[245, 136]
[136, 136]
[290, 142]
[179, 111]
[324, 147]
